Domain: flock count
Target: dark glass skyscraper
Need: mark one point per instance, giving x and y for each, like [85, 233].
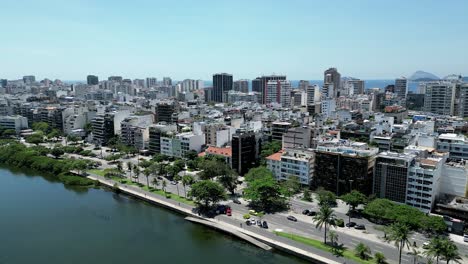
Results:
[259, 84]
[92, 80]
[222, 83]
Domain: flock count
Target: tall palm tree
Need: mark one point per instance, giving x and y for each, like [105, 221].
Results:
[163, 185]
[187, 180]
[155, 182]
[435, 248]
[399, 234]
[450, 251]
[147, 173]
[130, 168]
[325, 217]
[136, 170]
[119, 166]
[362, 251]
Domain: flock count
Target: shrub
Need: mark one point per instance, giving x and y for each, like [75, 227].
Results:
[340, 222]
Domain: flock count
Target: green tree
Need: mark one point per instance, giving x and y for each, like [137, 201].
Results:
[54, 134]
[433, 224]
[147, 173]
[229, 180]
[57, 152]
[264, 193]
[130, 168]
[435, 248]
[72, 138]
[325, 217]
[35, 138]
[415, 253]
[258, 173]
[187, 180]
[291, 186]
[270, 148]
[307, 196]
[119, 166]
[380, 258]
[333, 237]
[191, 155]
[8, 132]
[354, 199]
[450, 251]
[326, 198]
[136, 172]
[155, 182]
[399, 233]
[163, 186]
[40, 126]
[207, 192]
[362, 251]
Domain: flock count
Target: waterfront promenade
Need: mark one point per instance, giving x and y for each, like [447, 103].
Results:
[229, 224]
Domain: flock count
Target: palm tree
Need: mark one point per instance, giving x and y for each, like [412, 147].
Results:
[130, 168]
[399, 234]
[136, 169]
[333, 236]
[119, 166]
[362, 251]
[187, 180]
[325, 217]
[380, 258]
[163, 185]
[416, 254]
[147, 173]
[155, 182]
[450, 251]
[435, 248]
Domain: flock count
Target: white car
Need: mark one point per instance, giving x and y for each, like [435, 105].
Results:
[425, 245]
[253, 221]
[465, 237]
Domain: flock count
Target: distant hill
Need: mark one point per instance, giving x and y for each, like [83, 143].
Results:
[422, 76]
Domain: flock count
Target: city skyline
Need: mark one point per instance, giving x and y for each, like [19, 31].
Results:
[183, 40]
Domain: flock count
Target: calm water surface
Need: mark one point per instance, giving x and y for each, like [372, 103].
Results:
[44, 222]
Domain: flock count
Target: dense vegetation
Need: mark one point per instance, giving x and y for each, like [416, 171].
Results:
[18, 155]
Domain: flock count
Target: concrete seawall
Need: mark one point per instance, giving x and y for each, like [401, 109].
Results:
[251, 237]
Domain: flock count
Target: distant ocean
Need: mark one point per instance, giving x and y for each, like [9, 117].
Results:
[369, 83]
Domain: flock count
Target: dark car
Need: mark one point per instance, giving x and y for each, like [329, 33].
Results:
[305, 212]
[292, 218]
[236, 201]
[360, 227]
[265, 224]
[350, 224]
[221, 209]
[247, 222]
[312, 213]
[160, 178]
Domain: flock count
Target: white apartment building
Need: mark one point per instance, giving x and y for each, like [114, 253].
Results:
[180, 144]
[454, 180]
[292, 162]
[424, 177]
[16, 123]
[135, 131]
[328, 107]
[278, 91]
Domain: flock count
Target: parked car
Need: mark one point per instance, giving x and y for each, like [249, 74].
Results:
[350, 224]
[253, 221]
[312, 213]
[259, 223]
[292, 218]
[236, 201]
[305, 212]
[360, 227]
[425, 245]
[160, 178]
[465, 237]
[247, 222]
[265, 224]
[173, 182]
[229, 211]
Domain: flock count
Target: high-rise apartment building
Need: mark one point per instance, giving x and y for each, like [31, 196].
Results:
[391, 175]
[342, 167]
[401, 87]
[358, 86]
[241, 86]
[439, 98]
[260, 84]
[222, 84]
[332, 76]
[165, 111]
[28, 79]
[462, 107]
[313, 94]
[92, 80]
[118, 79]
[151, 82]
[244, 152]
[157, 131]
[278, 91]
[167, 81]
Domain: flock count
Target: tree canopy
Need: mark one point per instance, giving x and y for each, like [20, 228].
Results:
[264, 192]
[354, 199]
[207, 192]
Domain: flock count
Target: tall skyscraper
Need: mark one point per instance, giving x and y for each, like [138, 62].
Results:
[92, 80]
[358, 86]
[332, 76]
[278, 91]
[401, 87]
[313, 94]
[241, 86]
[439, 98]
[260, 84]
[222, 84]
[151, 82]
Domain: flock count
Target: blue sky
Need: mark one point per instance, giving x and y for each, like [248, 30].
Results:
[368, 39]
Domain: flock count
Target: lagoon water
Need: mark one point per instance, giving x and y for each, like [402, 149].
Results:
[44, 222]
